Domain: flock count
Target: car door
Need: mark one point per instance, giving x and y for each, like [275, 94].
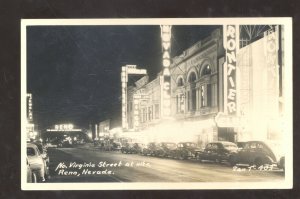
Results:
[244, 153]
[251, 153]
[214, 151]
[207, 152]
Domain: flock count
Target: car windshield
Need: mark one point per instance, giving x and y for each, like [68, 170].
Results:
[171, 144]
[230, 146]
[191, 144]
[30, 151]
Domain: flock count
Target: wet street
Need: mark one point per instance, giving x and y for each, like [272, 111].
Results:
[92, 165]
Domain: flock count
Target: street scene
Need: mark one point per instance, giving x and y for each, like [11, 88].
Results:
[147, 168]
[160, 102]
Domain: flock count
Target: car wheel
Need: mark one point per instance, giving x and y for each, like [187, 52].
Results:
[200, 159]
[258, 162]
[232, 161]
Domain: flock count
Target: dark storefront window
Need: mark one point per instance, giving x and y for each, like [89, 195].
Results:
[192, 100]
[209, 95]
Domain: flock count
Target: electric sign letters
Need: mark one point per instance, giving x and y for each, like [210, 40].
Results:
[166, 44]
[230, 45]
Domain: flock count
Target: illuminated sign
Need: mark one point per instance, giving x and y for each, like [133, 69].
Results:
[29, 105]
[231, 43]
[64, 127]
[166, 45]
[127, 70]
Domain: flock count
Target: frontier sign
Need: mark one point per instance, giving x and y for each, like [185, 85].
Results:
[231, 43]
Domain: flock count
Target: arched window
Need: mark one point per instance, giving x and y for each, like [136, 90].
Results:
[208, 89]
[206, 70]
[180, 82]
[192, 77]
[192, 93]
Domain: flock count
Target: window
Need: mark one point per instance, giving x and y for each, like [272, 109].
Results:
[156, 111]
[202, 90]
[150, 113]
[180, 82]
[192, 93]
[206, 70]
[30, 151]
[209, 95]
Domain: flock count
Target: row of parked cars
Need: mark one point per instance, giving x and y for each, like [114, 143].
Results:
[37, 161]
[256, 153]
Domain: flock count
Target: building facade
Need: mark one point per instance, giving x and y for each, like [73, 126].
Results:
[199, 94]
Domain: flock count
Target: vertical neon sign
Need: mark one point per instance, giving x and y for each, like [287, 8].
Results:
[231, 43]
[166, 45]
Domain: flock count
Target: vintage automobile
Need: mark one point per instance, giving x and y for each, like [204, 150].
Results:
[43, 151]
[37, 162]
[260, 153]
[150, 148]
[130, 147]
[126, 147]
[218, 151]
[116, 146]
[164, 149]
[186, 150]
[31, 177]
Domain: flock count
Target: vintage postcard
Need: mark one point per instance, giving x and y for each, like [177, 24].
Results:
[131, 104]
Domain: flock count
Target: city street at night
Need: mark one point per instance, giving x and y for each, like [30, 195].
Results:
[164, 102]
[138, 168]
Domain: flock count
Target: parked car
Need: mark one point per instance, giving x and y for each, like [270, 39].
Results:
[281, 163]
[241, 145]
[150, 148]
[126, 147]
[37, 163]
[43, 151]
[137, 148]
[186, 150]
[116, 146]
[165, 149]
[130, 147]
[218, 151]
[31, 177]
[260, 153]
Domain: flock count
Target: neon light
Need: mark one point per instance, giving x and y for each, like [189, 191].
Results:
[231, 45]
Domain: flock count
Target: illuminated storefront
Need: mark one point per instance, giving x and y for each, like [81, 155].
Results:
[260, 91]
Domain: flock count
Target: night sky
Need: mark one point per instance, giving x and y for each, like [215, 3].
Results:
[73, 72]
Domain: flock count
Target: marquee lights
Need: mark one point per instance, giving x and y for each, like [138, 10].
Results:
[64, 127]
[166, 45]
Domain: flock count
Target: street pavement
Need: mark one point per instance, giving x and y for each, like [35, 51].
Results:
[89, 164]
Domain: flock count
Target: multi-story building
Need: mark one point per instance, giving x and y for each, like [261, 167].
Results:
[199, 97]
[144, 103]
[197, 88]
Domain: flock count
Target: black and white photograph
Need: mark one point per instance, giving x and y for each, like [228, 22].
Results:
[156, 104]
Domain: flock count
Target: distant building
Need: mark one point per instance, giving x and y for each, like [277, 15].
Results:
[144, 103]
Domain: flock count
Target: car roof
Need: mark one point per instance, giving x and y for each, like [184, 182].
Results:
[31, 145]
[221, 142]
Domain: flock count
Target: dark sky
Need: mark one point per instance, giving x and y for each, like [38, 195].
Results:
[73, 72]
